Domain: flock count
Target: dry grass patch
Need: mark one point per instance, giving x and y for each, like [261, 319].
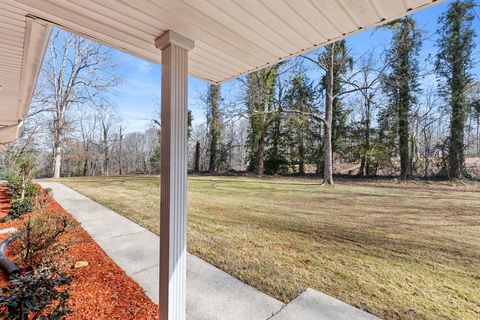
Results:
[395, 251]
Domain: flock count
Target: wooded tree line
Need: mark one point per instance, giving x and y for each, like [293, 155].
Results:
[72, 127]
[389, 112]
[378, 114]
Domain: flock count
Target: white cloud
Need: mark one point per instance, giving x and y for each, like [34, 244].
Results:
[133, 120]
[144, 66]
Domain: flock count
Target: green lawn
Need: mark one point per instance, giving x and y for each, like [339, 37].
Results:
[397, 252]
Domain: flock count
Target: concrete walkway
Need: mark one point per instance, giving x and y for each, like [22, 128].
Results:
[211, 293]
[314, 305]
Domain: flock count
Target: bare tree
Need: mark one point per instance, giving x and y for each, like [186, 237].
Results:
[369, 78]
[335, 61]
[88, 128]
[106, 116]
[120, 150]
[77, 73]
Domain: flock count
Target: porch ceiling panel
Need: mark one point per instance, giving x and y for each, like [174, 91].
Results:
[11, 49]
[22, 44]
[232, 37]
[9, 134]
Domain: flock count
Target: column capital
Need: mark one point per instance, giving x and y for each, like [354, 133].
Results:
[170, 37]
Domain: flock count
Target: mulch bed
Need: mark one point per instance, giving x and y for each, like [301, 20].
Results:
[100, 290]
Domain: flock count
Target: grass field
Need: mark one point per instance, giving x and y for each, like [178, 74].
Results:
[397, 252]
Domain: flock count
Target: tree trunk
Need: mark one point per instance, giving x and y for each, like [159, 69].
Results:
[328, 161]
[212, 163]
[120, 152]
[58, 142]
[85, 163]
[261, 152]
[457, 124]
[478, 136]
[368, 134]
[469, 133]
[365, 169]
[106, 163]
[456, 156]
[57, 163]
[106, 153]
[403, 138]
[301, 149]
[426, 157]
[197, 157]
[214, 96]
[327, 138]
[85, 168]
[413, 155]
[301, 156]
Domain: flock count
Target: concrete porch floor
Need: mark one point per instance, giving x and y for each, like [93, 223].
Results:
[211, 293]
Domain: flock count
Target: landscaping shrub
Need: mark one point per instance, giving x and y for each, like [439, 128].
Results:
[23, 191]
[41, 294]
[17, 187]
[19, 207]
[36, 199]
[43, 198]
[40, 243]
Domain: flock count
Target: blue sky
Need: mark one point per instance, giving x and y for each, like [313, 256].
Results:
[139, 95]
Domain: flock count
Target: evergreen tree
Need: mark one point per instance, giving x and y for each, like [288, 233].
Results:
[275, 157]
[196, 166]
[401, 83]
[214, 125]
[300, 96]
[454, 64]
[386, 142]
[156, 157]
[259, 100]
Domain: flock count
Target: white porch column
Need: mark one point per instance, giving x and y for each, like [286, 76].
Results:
[173, 184]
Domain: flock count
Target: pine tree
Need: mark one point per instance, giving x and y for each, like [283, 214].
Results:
[275, 159]
[454, 64]
[300, 96]
[386, 146]
[196, 165]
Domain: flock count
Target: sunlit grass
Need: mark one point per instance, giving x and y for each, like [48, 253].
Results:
[396, 252]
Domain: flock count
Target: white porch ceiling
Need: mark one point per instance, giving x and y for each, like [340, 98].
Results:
[232, 37]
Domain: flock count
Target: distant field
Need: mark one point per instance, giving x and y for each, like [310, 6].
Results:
[397, 252]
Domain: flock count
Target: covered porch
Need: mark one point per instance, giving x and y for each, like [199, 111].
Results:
[213, 41]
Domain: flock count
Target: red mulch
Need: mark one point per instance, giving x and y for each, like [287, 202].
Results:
[99, 291]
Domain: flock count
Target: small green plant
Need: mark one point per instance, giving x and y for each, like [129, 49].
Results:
[23, 191]
[13, 182]
[19, 207]
[40, 243]
[41, 294]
